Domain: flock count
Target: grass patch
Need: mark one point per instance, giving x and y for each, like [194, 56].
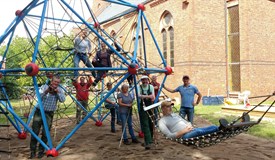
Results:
[214, 113]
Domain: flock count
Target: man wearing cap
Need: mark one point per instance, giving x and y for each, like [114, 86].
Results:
[174, 126]
[147, 96]
[187, 92]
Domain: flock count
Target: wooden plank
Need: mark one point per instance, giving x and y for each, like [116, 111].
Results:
[257, 112]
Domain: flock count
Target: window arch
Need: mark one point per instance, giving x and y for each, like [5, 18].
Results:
[167, 31]
[171, 34]
[164, 43]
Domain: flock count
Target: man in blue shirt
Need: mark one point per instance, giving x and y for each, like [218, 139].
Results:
[187, 92]
[50, 95]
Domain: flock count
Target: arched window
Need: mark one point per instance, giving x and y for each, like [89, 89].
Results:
[167, 31]
[164, 43]
[171, 34]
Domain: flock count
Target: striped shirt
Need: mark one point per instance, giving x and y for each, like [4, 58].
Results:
[49, 100]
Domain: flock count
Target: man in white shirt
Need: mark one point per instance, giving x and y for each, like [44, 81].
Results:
[174, 126]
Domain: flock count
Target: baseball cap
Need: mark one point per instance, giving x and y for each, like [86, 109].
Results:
[144, 77]
[166, 103]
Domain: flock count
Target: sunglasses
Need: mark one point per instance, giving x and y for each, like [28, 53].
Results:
[168, 106]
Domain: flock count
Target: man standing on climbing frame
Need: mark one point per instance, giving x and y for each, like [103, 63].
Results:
[187, 92]
[50, 94]
[82, 46]
[82, 96]
[147, 96]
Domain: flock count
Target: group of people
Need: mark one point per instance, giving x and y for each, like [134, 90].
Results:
[83, 50]
[120, 105]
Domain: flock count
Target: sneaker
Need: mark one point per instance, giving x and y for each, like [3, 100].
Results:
[113, 130]
[223, 123]
[33, 155]
[40, 154]
[135, 141]
[119, 123]
[126, 142]
[148, 146]
[94, 84]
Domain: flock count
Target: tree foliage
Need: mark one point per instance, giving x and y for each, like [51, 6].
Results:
[51, 52]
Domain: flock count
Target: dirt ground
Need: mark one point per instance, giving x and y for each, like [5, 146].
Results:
[93, 143]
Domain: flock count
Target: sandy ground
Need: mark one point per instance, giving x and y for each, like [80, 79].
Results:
[92, 142]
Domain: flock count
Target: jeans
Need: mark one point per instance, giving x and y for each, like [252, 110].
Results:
[100, 73]
[200, 131]
[85, 59]
[114, 112]
[187, 111]
[80, 111]
[129, 121]
[36, 125]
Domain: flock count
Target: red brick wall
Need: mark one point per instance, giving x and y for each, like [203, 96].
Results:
[200, 43]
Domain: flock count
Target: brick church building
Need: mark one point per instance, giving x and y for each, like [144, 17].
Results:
[224, 46]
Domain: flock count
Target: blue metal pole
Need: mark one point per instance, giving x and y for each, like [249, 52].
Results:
[122, 3]
[101, 120]
[90, 113]
[143, 42]
[95, 32]
[154, 39]
[76, 101]
[9, 118]
[41, 107]
[28, 128]
[100, 108]
[137, 36]
[136, 89]
[64, 69]
[155, 69]
[9, 105]
[39, 31]
[90, 10]
[31, 115]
